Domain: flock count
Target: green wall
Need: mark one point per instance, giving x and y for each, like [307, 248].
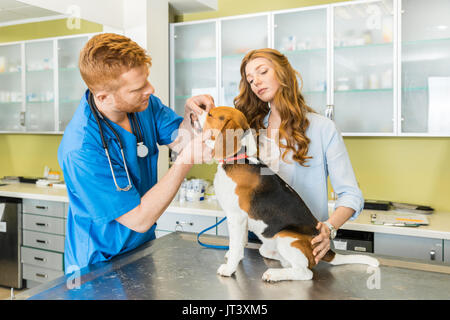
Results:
[414, 170]
[27, 154]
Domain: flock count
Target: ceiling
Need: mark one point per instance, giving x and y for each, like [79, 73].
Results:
[16, 12]
[12, 11]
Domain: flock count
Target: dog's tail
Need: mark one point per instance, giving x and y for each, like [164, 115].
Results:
[339, 259]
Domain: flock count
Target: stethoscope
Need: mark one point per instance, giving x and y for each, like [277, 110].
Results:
[142, 149]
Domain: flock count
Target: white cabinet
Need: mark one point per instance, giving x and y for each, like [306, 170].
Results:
[239, 36]
[71, 86]
[409, 247]
[303, 37]
[363, 67]
[170, 222]
[40, 84]
[42, 252]
[11, 87]
[425, 67]
[376, 67]
[193, 62]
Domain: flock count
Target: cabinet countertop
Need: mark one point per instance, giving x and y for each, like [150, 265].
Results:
[439, 227]
[32, 191]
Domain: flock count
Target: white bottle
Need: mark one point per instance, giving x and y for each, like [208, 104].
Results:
[182, 192]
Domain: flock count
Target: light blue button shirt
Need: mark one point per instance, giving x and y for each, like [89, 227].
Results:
[329, 158]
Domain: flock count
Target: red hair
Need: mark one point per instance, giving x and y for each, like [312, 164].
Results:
[288, 100]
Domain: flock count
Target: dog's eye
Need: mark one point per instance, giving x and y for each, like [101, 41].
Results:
[209, 114]
[221, 118]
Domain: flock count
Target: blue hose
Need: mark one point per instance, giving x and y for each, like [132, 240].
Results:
[210, 245]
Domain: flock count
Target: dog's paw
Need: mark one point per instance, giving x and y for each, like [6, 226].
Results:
[274, 275]
[271, 275]
[225, 270]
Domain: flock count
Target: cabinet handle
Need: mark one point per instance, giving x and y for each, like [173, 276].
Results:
[41, 241]
[41, 275]
[433, 255]
[40, 259]
[22, 118]
[40, 224]
[329, 112]
[41, 207]
[185, 222]
[179, 224]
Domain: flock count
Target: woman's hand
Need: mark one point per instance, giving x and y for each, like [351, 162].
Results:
[322, 242]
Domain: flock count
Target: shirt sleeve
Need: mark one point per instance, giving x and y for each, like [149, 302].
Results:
[167, 122]
[91, 186]
[342, 176]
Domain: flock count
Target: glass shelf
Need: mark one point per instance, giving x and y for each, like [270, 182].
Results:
[39, 102]
[39, 70]
[425, 41]
[185, 60]
[365, 46]
[364, 90]
[182, 97]
[415, 89]
[9, 73]
[68, 69]
[303, 51]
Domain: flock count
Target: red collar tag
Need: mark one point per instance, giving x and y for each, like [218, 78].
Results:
[238, 157]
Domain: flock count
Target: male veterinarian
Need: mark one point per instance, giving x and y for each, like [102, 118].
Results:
[109, 153]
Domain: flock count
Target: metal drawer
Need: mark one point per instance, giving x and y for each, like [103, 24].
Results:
[43, 223]
[40, 274]
[41, 258]
[185, 222]
[48, 208]
[408, 247]
[43, 241]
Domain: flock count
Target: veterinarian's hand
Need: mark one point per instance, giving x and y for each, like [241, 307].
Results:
[197, 105]
[322, 242]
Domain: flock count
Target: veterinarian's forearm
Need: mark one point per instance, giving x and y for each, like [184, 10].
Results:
[340, 216]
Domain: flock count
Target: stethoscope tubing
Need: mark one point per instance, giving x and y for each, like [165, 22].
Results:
[97, 115]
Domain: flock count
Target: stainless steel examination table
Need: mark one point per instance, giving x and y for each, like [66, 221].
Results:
[177, 267]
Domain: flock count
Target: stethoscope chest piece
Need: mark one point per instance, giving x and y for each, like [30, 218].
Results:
[142, 150]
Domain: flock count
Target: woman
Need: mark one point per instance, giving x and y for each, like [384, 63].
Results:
[308, 147]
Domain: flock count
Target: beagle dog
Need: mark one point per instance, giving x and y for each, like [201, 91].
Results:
[263, 204]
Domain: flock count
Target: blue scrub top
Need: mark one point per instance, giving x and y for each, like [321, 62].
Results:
[92, 233]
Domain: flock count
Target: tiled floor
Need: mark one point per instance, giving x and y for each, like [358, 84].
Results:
[5, 293]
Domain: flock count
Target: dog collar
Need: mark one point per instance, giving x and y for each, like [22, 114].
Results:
[238, 157]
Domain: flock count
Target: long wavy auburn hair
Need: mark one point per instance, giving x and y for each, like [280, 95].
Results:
[288, 99]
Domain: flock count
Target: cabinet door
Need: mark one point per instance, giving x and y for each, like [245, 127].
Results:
[185, 222]
[193, 62]
[11, 89]
[364, 67]
[408, 247]
[302, 37]
[40, 87]
[239, 36]
[71, 85]
[425, 65]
